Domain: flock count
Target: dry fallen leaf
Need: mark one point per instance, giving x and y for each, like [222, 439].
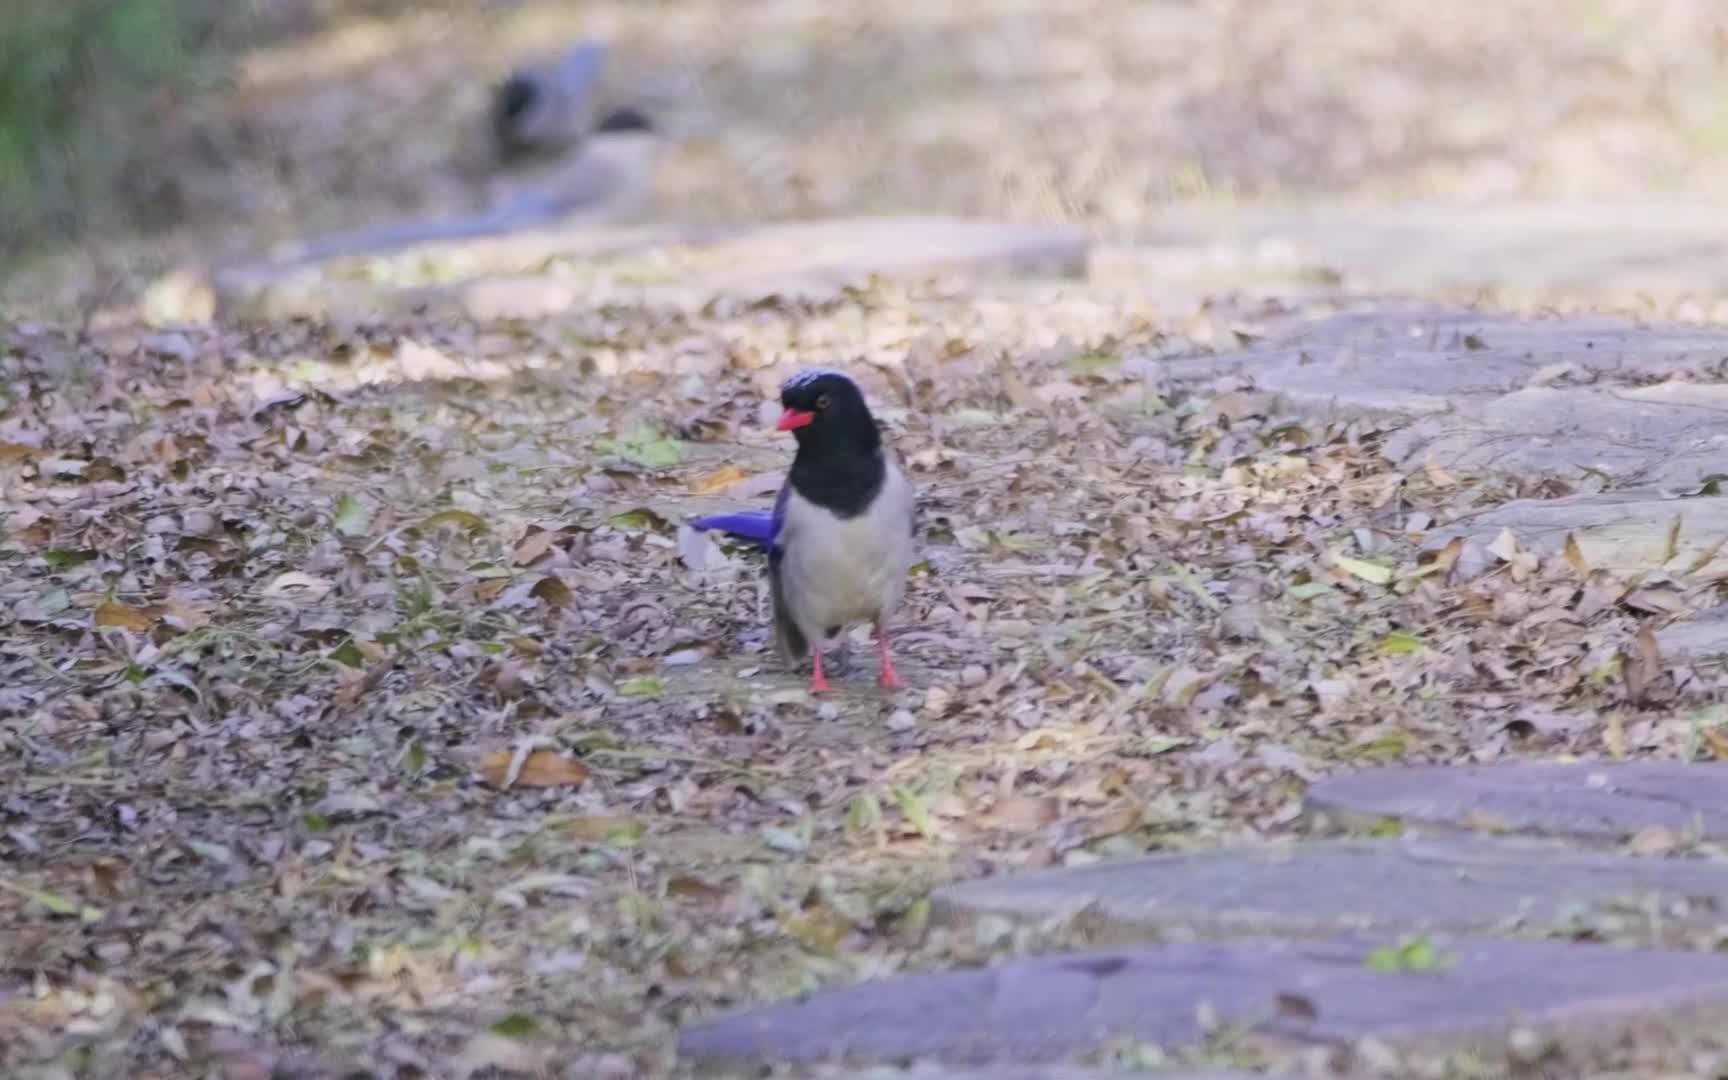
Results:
[719, 480]
[1020, 813]
[533, 547]
[109, 613]
[541, 768]
[1643, 665]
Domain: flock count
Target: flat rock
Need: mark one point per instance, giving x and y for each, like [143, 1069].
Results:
[1602, 802]
[1702, 637]
[664, 265]
[1624, 531]
[1582, 251]
[1670, 433]
[1053, 1007]
[1411, 361]
[1413, 883]
[1027, 1072]
[1502, 393]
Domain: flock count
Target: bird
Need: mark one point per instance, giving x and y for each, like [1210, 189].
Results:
[547, 108]
[840, 537]
[608, 178]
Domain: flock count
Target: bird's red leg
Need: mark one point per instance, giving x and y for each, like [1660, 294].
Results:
[818, 685]
[889, 680]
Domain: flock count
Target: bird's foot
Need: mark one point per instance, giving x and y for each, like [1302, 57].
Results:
[888, 679]
[818, 684]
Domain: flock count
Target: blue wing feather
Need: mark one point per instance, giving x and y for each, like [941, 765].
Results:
[759, 527]
[755, 526]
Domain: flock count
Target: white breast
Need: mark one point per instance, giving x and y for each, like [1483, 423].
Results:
[836, 571]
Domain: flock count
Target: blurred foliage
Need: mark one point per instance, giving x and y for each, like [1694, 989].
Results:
[80, 80]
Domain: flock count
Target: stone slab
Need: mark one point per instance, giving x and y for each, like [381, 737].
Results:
[1623, 531]
[1055, 1007]
[1023, 1072]
[1407, 361]
[1620, 251]
[1700, 638]
[1412, 883]
[681, 266]
[1601, 802]
[1672, 433]
[1481, 392]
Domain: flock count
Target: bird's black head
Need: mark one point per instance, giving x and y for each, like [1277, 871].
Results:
[839, 461]
[509, 106]
[826, 407]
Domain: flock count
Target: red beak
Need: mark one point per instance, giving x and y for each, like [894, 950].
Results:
[793, 418]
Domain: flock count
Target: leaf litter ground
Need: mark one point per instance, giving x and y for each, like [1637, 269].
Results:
[362, 704]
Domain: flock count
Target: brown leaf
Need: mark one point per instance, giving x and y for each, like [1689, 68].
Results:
[1112, 822]
[541, 768]
[10, 452]
[1653, 840]
[686, 887]
[1575, 556]
[1643, 665]
[109, 613]
[820, 930]
[551, 591]
[1718, 742]
[1438, 476]
[1447, 557]
[600, 826]
[1021, 813]
[1293, 1006]
[719, 480]
[534, 546]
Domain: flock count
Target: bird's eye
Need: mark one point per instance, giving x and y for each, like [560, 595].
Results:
[822, 402]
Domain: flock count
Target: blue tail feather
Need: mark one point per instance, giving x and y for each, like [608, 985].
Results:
[755, 526]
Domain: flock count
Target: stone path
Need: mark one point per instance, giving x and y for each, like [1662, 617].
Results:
[502, 276]
[1592, 802]
[1595, 402]
[1415, 883]
[1611, 252]
[1291, 993]
[1252, 935]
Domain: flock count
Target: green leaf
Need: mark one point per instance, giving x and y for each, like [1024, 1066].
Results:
[917, 814]
[316, 823]
[348, 653]
[1371, 572]
[1399, 643]
[643, 446]
[54, 903]
[1089, 362]
[1161, 744]
[864, 814]
[784, 840]
[516, 1026]
[60, 558]
[54, 601]
[642, 687]
[352, 518]
[1410, 955]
